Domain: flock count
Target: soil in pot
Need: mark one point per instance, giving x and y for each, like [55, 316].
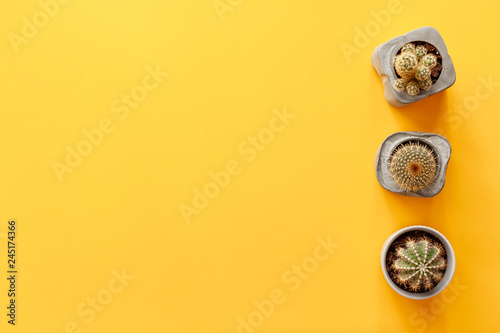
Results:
[401, 242]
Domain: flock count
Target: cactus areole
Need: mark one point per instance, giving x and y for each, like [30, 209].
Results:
[416, 261]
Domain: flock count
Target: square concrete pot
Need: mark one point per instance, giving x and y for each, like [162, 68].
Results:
[448, 274]
[382, 61]
[440, 146]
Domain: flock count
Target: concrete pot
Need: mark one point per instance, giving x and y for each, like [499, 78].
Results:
[437, 143]
[384, 54]
[450, 269]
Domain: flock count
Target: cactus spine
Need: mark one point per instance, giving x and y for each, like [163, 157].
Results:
[420, 264]
[413, 166]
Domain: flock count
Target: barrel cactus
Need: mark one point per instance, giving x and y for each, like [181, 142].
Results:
[414, 67]
[420, 264]
[413, 166]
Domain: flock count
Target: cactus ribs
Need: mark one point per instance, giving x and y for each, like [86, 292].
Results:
[427, 270]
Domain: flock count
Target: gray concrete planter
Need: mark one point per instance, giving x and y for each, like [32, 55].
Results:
[437, 143]
[384, 54]
[450, 269]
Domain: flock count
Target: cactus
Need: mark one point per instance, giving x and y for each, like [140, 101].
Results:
[413, 88]
[420, 264]
[408, 47]
[413, 166]
[400, 84]
[422, 73]
[429, 60]
[414, 66]
[406, 65]
[425, 85]
[420, 51]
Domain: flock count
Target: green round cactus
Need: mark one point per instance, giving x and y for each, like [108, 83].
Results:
[400, 84]
[422, 73]
[413, 88]
[413, 166]
[425, 85]
[429, 60]
[420, 51]
[420, 264]
[408, 47]
[406, 65]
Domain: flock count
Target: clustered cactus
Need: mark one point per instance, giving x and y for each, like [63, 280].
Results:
[420, 264]
[413, 166]
[414, 66]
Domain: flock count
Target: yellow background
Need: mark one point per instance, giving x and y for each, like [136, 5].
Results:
[120, 207]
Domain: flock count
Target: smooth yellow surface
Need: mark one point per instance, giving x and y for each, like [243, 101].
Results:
[232, 68]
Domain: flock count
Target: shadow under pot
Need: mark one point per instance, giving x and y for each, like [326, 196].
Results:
[413, 163]
[413, 66]
[418, 262]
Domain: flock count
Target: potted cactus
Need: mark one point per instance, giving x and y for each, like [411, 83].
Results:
[418, 262]
[413, 66]
[413, 163]
[416, 68]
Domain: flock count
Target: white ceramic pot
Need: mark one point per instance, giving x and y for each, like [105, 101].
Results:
[450, 268]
